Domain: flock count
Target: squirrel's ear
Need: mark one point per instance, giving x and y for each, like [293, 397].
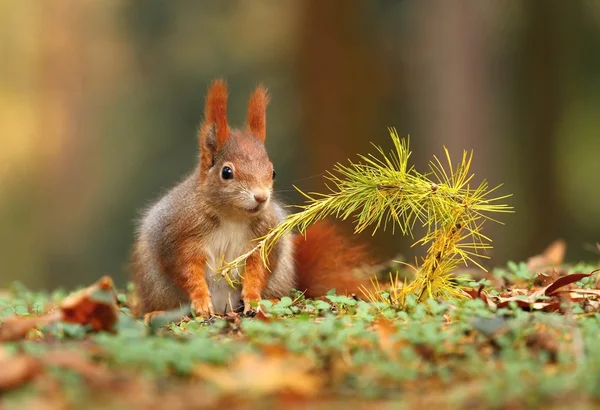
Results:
[215, 111]
[209, 146]
[257, 112]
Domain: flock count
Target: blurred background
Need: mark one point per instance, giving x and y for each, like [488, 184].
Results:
[100, 102]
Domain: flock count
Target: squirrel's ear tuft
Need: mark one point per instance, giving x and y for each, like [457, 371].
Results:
[257, 112]
[215, 111]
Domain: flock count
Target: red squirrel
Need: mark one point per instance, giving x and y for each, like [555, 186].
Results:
[217, 212]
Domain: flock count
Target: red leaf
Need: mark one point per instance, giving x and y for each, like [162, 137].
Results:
[566, 280]
[95, 305]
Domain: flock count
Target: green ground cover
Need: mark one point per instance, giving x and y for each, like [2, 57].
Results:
[522, 340]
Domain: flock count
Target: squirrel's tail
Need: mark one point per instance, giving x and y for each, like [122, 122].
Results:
[326, 259]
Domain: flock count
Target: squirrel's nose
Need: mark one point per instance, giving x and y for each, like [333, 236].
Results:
[261, 197]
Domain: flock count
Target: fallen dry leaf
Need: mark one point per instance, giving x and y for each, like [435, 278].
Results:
[528, 305]
[95, 306]
[566, 280]
[266, 374]
[591, 306]
[478, 294]
[547, 278]
[17, 327]
[573, 292]
[77, 362]
[533, 299]
[17, 370]
[553, 255]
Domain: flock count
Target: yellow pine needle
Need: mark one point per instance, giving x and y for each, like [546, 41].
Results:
[388, 295]
[384, 191]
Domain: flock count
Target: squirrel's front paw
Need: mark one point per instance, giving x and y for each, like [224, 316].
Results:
[249, 300]
[203, 307]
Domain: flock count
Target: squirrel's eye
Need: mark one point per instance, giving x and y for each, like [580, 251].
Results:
[274, 174]
[227, 173]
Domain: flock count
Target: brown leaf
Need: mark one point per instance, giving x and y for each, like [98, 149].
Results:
[17, 370]
[266, 374]
[553, 255]
[583, 291]
[530, 305]
[547, 278]
[77, 362]
[564, 281]
[17, 327]
[479, 294]
[591, 306]
[533, 301]
[95, 306]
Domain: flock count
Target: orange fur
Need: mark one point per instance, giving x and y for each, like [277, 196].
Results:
[216, 110]
[257, 112]
[189, 276]
[254, 279]
[326, 259]
[197, 287]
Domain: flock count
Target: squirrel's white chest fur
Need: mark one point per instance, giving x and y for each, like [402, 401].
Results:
[229, 241]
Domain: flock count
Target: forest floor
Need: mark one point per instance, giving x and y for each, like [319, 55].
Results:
[524, 336]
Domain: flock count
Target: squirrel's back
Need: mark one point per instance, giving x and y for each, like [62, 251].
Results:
[157, 232]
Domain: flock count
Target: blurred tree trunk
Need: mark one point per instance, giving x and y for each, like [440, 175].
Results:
[541, 80]
[453, 80]
[337, 79]
[339, 88]
[451, 88]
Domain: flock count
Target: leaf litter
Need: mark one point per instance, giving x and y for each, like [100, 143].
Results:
[528, 340]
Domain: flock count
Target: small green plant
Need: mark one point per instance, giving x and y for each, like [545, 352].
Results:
[337, 349]
[385, 191]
